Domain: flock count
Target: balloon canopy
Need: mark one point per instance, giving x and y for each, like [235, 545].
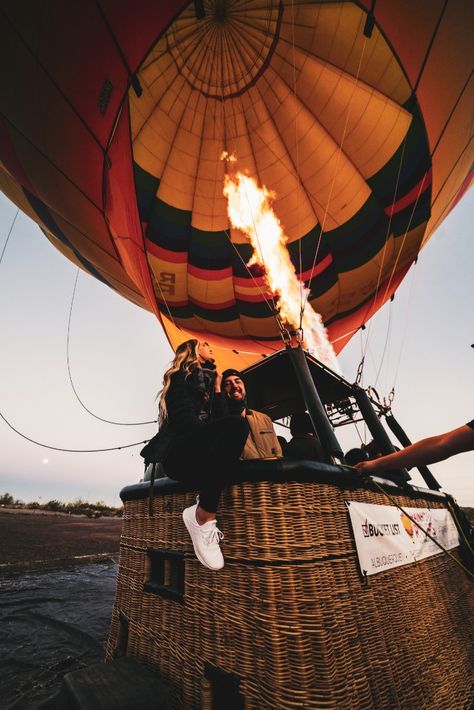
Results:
[115, 117]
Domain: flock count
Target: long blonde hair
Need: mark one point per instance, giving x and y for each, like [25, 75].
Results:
[186, 359]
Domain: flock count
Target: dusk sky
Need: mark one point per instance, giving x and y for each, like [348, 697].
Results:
[118, 353]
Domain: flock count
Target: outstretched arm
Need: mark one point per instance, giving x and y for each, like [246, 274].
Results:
[424, 452]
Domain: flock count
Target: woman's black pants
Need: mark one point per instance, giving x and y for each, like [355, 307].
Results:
[204, 455]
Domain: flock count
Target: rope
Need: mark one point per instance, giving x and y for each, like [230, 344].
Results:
[107, 421]
[387, 234]
[262, 293]
[425, 532]
[71, 451]
[405, 235]
[271, 305]
[297, 172]
[406, 321]
[387, 339]
[395, 264]
[321, 230]
[9, 235]
[359, 435]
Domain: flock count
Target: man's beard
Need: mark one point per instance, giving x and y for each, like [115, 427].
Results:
[237, 406]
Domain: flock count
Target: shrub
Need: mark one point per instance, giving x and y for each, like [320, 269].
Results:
[54, 505]
[6, 499]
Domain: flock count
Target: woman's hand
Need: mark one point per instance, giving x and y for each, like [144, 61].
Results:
[218, 382]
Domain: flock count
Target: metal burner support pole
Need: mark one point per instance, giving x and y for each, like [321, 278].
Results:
[428, 477]
[375, 426]
[312, 400]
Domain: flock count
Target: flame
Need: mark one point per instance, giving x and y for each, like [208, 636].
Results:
[228, 157]
[249, 209]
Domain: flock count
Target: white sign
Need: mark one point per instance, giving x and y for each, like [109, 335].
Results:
[385, 537]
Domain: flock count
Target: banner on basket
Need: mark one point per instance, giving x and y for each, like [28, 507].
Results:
[386, 538]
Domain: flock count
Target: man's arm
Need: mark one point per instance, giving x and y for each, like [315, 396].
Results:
[424, 452]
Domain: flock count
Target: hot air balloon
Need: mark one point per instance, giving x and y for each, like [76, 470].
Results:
[121, 125]
[115, 117]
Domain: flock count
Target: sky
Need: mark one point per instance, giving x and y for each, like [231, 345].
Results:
[118, 354]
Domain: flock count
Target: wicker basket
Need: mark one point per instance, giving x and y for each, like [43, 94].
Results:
[289, 622]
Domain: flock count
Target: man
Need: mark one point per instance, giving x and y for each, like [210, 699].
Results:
[262, 442]
[304, 445]
[424, 452]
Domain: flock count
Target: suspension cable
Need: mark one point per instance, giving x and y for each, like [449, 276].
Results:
[102, 419]
[71, 451]
[387, 340]
[336, 170]
[394, 267]
[297, 171]
[271, 306]
[411, 294]
[9, 235]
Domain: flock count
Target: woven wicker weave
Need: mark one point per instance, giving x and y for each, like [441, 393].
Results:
[290, 614]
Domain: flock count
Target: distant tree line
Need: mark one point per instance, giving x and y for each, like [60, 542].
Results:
[76, 507]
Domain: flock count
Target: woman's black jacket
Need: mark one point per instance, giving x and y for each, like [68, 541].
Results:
[184, 404]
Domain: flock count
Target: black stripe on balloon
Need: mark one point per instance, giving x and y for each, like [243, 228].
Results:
[224, 315]
[217, 316]
[241, 255]
[169, 227]
[187, 313]
[412, 216]
[180, 312]
[359, 239]
[48, 220]
[407, 166]
[146, 187]
[254, 309]
[209, 250]
[309, 244]
[323, 282]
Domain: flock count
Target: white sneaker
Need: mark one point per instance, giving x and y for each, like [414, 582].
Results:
[205, 539]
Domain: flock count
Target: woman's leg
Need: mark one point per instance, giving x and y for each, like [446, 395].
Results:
[202, 454]
[228, 437]
[212, 447]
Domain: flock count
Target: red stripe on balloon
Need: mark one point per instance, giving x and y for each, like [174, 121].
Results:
[318, 269]
[254, 298]
[175, 257]
[212, 306]
[210, 274]
[250, 281]
[173, 304]
[259, 297]
[411, 196]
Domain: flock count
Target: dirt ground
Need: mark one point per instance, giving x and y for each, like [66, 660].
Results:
[30, 539]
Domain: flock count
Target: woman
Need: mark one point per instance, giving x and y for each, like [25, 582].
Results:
[198, 440]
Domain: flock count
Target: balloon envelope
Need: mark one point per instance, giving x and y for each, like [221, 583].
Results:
[114, 118]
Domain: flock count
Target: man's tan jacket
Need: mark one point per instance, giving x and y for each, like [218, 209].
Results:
[262, 441]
